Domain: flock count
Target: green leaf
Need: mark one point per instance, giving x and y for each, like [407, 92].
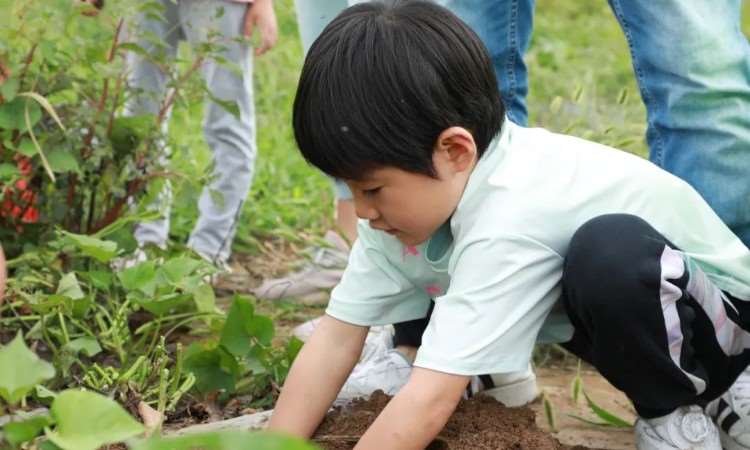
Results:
[69, 287]
[99, 249]
[12, 114]
[26, 147]
[236, 335]
[21, 370]
[549, 412]
[63, 161]
[86, 421]
[42, 392]
[214, 368]
[262, 328]
[162, 304]
[85, 345]
[204, 298]
[9, 89]
[229, 106]
[8, 171]
[47, 445]
[606, 415]
[176, 269]
[100, 279]
[19, 432]
[227, 440]
[141, 277]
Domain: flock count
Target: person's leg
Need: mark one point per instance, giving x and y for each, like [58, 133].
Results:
[692, 63]
[651, 322]
[149, 82]
[312, 18]
[230, 137]
[505, 28]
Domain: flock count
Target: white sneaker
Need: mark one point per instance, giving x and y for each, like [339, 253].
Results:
[382, 367]
[686, 428]
[387, 371]
[512, 389]
[379, 339]
[313, 282]
[731, 412]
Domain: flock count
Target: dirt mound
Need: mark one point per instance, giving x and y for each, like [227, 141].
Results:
[480, 423]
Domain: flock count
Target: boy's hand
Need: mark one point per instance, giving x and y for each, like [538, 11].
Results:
[260, 15]
[415, 416]
[316, 376]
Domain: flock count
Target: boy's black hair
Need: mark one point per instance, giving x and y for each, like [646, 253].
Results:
[382, 82]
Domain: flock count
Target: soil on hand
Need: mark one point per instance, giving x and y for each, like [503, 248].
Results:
[480, 423]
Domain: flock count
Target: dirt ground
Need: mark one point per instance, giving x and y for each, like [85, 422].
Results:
[480, 423]
[556, 383]
[484, 424]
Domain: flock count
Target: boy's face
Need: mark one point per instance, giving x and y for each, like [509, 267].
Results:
[413, 206]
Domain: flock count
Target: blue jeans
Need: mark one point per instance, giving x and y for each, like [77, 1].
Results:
[231, 139]
[692, 64]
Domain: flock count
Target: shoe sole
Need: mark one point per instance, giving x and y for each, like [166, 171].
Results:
[727, 442]
[518, 393]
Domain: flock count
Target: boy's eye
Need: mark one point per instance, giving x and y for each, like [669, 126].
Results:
[371, 192]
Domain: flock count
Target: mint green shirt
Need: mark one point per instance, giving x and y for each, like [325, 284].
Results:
[495, 269]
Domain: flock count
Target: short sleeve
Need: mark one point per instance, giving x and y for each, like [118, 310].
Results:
[502, 289]
[373, 290]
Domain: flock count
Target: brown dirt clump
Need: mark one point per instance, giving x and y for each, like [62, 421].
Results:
[481, 423]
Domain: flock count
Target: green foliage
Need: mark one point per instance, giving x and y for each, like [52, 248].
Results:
[20, 370]
[16, 433]
[607, 418]
[227, 440]
[244, 356]
[86, 421]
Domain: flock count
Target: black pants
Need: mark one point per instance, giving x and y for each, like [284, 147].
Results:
[664, 341]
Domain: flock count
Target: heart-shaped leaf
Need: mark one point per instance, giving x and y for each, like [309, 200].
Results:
[214, 368]
[235, 336]
[86, 421]
[21, 370]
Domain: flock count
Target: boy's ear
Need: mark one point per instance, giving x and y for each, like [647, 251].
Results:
[456, 146]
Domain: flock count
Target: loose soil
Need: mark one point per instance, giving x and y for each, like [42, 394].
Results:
[480, 423]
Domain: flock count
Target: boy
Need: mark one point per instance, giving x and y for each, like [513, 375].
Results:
[517, 234]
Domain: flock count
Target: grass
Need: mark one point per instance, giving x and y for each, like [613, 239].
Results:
[581, 83]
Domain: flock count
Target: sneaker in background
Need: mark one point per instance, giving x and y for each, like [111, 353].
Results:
[387, 371]
[313, 282]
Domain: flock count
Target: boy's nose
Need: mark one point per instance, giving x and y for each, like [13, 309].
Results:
[365, 210]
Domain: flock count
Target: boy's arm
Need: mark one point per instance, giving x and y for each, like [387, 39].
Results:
[417, 413]
[316, 376]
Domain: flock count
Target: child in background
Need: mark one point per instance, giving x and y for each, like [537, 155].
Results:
[519, 235]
